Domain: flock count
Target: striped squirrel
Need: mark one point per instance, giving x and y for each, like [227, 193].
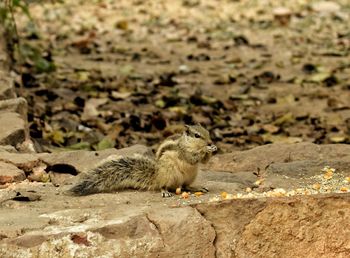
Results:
[175, 166]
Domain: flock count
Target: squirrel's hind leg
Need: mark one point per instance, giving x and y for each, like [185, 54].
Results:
[165, 193]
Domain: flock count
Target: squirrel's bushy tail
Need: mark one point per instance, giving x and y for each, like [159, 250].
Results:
[136, 172]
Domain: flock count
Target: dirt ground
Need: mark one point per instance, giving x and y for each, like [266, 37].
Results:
[116, 73]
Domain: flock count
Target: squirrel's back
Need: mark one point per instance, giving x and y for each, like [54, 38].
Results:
[136, 172]
[175, 166]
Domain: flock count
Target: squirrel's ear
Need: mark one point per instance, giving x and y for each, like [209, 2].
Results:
[199, 124]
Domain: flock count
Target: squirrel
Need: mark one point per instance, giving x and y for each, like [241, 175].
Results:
[175, 166]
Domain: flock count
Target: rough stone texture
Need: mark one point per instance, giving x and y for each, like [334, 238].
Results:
[58, 179]
[17, 105]
[12, 129]
[184, 232]
[304, 227]
[7, 90]
[120, 234]
[307, 168]
[307, 226]
[148, 226]
[80, 160]
[10, 173]
[7, 148]
[85, 160]
[40, 220]
[260, 158]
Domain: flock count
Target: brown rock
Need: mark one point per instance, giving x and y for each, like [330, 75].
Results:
[58, 179]
[312, 227]
[261, 157]
[133, 228]
[7, 89]
[29, 240]
[79, 160]
[224, 181]
[229, 220]
[326, 7]
[307, 168]
[12, 129]
[7, 148]
[17, 105]
[308, 226]
[95, 226]
[10, 173]
[184, 232]
[85, 160]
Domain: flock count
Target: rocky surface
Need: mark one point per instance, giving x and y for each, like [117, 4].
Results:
[7, 90]
[144, 225]
[12, 130]
[13, 111]
[261, 158]
[10, 173]
[39, 220]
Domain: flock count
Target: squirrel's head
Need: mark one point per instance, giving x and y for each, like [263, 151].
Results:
[195, 145]
[196, 138]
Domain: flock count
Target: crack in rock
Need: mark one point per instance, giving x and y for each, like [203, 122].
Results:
[213, 227]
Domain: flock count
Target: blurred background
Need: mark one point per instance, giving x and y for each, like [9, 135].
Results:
[100, 74]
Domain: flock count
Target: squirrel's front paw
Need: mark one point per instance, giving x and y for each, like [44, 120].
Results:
[166, 193]
[212, 148]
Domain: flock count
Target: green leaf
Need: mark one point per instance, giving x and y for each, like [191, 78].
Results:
[79, 146]
[105, 143]
[43, 66]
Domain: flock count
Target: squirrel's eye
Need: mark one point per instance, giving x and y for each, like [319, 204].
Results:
[197, 135]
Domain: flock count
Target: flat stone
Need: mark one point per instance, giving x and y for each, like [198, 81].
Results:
[12, 129]
[297, 226]
[7, 89]
[79, 160]
[326, 7]
[7, 148]
[307, 168]
[134, 223]
[17, 105]
[260, 158]
[200, 235]
[10, 173]
[281, 227]
[59, 179]
[83, 161]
